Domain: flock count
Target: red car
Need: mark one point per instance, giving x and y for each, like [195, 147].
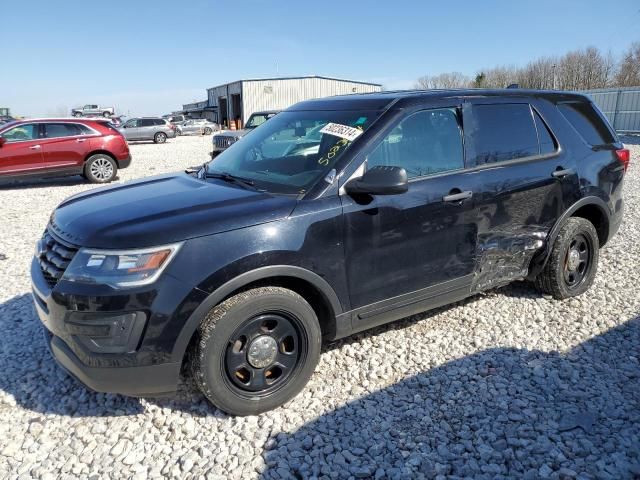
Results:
[60, 147]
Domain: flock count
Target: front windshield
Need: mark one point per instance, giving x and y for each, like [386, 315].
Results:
[293, 150]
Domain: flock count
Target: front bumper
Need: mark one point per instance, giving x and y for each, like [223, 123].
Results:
[152, 380]
[102, 346]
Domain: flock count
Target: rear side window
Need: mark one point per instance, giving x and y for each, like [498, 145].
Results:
[145, 122]
[589, 125]
[159, 121]
[57, 130]
[504, 132]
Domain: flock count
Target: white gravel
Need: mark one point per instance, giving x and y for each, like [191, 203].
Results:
[508, 384]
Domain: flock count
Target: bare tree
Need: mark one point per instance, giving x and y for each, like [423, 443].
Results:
[628, 74]
[576, 70]
[444, 80]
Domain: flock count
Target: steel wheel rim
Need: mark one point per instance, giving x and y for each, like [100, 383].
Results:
[101, 168]
[251, 366]
[578, 261]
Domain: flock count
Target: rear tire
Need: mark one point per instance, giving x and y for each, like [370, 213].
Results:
[106, 114]
[256, 350]
[77, 114]
[160, 137]
[100, 168]
[573, 263]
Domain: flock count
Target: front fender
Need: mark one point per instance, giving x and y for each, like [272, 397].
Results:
[198, 315]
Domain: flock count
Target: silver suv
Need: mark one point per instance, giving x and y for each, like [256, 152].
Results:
[148, 128]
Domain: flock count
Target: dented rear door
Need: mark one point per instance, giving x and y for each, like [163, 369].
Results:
[522, 183]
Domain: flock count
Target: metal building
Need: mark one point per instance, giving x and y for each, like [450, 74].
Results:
[620, 105]
[199, 110]
[236, 101]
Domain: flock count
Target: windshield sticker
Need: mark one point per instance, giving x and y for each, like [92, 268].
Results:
[342, 131]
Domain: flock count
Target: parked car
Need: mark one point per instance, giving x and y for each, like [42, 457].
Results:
[148, 128]
[175, 119]
[226, 138]
[197, 126]
[92, 110]
[413, 200]
[60, 147]
[6, 119]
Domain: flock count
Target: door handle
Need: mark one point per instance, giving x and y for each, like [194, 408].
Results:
[562, 173]
[35, 147]
[457, 197]
[81, 140]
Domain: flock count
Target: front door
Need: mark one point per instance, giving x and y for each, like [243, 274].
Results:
[406, 252]
[131, 129]
[22, 151]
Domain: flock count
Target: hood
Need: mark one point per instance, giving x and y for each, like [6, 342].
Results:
[233, 133]
[162, 209]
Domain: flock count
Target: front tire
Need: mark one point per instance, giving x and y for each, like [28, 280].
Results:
[100, 168]
[256, 350]
[77, 114]
[106, 114]
[573, 263]
[160, 137]
[208, 131]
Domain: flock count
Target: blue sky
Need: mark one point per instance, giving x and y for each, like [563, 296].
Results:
[149, 57]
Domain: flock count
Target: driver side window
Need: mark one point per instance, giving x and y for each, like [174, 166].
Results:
[21, 133]
[425, 143]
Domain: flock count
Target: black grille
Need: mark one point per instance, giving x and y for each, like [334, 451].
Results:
[54, 257]
[224, 142]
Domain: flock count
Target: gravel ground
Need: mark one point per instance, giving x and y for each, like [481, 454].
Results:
[507, 384]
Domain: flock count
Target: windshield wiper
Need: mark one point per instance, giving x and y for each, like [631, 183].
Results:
[227, 177]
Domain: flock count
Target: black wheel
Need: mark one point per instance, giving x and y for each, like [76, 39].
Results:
[573, 263]
[208, 131]
[160, 137]
[106, 114]
[256, 350]
[100, 168]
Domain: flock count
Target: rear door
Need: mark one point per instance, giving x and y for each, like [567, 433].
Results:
[522, 183]
[65, 145]
[22, 152]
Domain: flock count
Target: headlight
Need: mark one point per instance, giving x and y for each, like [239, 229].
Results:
[121, 268]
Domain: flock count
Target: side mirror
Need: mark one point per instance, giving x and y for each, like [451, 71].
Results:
[379, 181]
[2, 141]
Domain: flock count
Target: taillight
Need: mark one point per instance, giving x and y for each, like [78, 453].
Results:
[624, 155]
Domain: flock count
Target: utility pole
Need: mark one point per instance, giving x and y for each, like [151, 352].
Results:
[553, 67]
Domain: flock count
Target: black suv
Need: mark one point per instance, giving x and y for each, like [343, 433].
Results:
[334, 216]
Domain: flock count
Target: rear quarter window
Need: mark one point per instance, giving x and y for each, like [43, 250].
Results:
[587, 122]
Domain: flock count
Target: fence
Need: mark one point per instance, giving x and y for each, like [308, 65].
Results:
[620, 105]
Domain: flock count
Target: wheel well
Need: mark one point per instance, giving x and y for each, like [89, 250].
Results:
[103, 152]
[306, 290]
[320, 304]
[598, 218]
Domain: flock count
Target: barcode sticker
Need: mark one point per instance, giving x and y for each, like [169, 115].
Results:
[342, 131]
